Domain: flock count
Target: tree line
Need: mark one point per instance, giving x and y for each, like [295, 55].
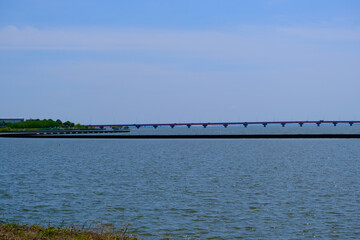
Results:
[45, 123]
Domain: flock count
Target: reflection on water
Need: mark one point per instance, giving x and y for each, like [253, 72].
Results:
[267, 189]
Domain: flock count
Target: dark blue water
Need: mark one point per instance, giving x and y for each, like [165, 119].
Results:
[190, 189]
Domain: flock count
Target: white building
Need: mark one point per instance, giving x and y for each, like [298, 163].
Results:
[11, 120]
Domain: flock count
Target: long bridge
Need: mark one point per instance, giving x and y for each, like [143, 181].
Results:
[226, 124]
[125, 134]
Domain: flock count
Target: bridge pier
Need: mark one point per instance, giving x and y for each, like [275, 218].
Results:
[204, 125]
[335, 123]
[318, 124]
[188, 125]
[225, 125]
[155, 126]
[301, 124]
[264, 124]
[283, 124]
[351, 123]
[172, 125]
[137, 126]
[245, 124]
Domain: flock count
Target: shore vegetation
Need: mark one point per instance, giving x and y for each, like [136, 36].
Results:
[11, 231]
[37, 124]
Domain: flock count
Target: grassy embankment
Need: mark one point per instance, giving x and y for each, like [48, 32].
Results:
[11, 231]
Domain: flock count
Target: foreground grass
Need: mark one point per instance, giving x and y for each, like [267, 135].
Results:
[9, 231]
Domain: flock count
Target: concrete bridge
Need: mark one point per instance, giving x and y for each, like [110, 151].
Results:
[226, 124]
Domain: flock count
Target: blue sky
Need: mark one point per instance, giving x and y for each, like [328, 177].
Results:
[180, 61]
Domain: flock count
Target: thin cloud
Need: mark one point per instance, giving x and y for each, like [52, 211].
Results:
[249, 45]
[246, 37]
[324, 34]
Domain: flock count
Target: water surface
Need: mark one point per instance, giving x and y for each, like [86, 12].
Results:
[190, 189]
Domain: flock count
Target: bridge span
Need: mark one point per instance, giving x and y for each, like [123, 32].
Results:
[226, 124]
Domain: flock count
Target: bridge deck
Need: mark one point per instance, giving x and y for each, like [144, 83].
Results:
[226, 124]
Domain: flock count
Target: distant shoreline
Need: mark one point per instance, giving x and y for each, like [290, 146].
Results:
[199, 136]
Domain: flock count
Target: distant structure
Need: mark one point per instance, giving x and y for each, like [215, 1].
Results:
[11, 120]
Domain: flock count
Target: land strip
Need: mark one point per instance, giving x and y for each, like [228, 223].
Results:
[208, 136]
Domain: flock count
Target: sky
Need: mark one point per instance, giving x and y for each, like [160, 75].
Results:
[160, 61]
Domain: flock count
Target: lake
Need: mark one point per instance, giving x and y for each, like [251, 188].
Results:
[189, 189]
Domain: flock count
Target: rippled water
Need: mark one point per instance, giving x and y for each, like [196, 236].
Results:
[190, 189]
